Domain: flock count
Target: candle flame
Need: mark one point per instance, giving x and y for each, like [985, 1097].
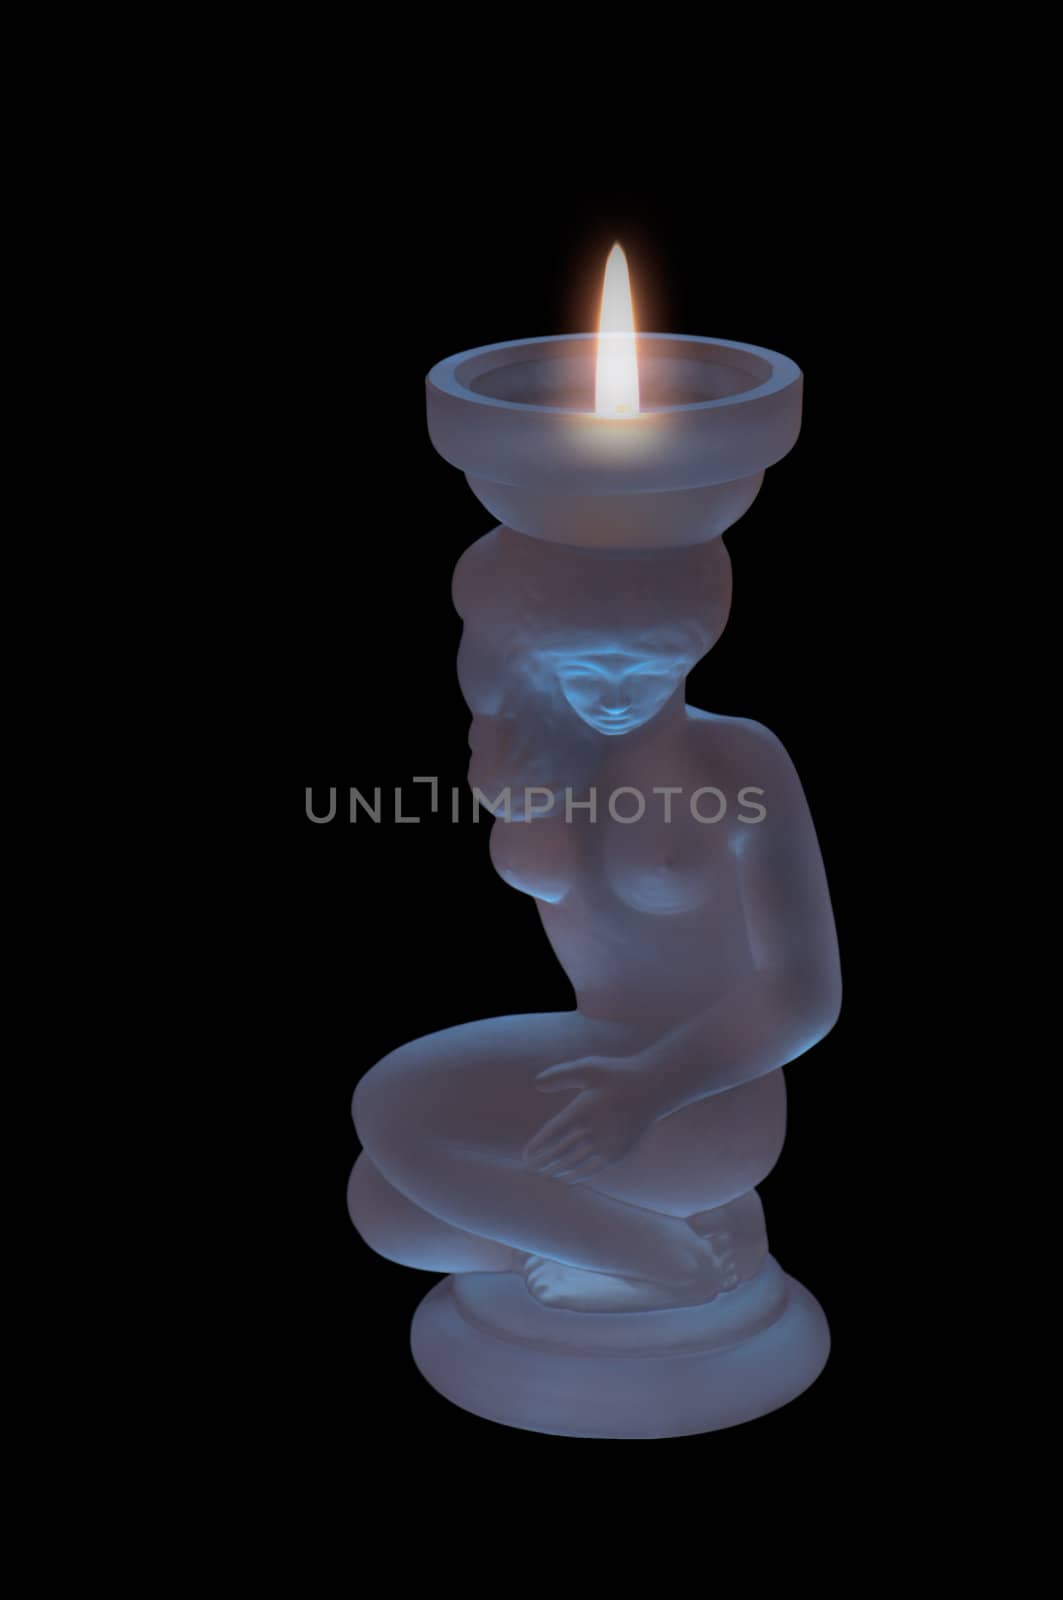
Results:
[616, 392]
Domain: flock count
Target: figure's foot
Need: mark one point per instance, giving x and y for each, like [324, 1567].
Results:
[720, 1244]
[567, 1288]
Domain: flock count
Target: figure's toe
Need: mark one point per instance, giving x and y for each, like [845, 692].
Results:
[728, 1263]
[538, 1279]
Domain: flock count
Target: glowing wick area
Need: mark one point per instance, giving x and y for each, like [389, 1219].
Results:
[616, 389]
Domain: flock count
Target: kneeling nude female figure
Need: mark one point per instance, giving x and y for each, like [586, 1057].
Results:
[609, 1153]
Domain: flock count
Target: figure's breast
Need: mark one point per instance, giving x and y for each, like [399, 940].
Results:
[535, 857]
[662, 868]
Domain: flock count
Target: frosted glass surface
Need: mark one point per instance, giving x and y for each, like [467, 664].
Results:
[588, 1176]
[713, 411]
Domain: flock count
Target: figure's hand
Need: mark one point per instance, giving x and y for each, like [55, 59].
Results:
[611, 1111]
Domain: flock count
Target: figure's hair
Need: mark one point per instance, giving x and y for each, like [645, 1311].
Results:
[526, 591]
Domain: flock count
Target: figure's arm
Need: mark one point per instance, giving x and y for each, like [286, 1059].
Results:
[792, 994]
[788, 1000]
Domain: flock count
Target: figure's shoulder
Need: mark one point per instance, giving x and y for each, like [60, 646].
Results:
[738, 737]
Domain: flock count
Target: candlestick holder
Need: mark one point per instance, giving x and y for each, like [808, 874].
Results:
[587, 1178]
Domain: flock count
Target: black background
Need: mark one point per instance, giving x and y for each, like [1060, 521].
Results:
[344, 660]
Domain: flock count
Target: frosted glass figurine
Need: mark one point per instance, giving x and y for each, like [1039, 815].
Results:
[587, 1177]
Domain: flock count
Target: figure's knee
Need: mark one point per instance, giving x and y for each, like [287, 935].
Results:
[394, 1109]
[366, 1104]
[377, 1098]
[389, 1223]
[445, 1096]
[396, 1228]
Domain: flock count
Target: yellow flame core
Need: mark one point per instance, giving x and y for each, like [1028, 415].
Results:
[617, 381]
[616, 390]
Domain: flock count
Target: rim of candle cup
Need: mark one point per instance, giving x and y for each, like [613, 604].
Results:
[452, 375]
[567, 474]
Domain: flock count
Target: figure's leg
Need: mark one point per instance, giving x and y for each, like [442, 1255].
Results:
[395, 1227]
[700, 1163]
[734, 1237]
[708, 1154]
[447, 1118]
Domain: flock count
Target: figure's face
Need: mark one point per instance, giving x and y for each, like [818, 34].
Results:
[523, 732]
[617, 690]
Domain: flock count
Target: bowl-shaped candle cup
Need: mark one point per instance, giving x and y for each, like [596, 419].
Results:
[519, 420]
